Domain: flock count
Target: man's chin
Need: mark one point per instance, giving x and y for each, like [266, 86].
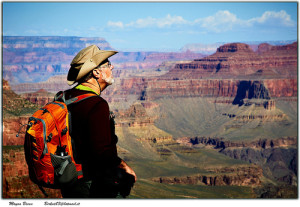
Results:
[110, 81]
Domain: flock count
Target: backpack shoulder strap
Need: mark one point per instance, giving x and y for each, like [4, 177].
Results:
[60, 96]
[79, 98]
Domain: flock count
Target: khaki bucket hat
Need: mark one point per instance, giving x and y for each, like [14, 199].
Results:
[86, 60]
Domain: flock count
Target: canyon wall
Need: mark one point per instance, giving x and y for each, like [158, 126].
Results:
[40, 97]
[35, 59]
[11, 127]
[15, 179]
[220, 143]
[212, 48]
[150, 89]
[271, 72]
[16, 111]
[13, 104]
[241, 176]
[239, 60]
[277, 157]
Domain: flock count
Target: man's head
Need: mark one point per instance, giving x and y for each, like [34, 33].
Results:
[90, 61]
[106, 72]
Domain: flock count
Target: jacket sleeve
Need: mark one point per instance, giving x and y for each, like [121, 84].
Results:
[103, 146]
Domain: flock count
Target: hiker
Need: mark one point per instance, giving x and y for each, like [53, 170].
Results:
[92, 129]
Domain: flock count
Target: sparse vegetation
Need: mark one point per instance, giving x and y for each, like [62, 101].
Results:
[14, 105]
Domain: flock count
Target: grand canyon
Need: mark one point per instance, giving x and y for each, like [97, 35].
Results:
[191, 124]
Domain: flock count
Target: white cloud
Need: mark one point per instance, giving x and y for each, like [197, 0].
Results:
[142, 23]
[118, 24]
[167, 21]
[221, 21]
[280, 18]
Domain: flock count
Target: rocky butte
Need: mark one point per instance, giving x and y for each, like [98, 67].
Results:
[240, 61]
[40, 97]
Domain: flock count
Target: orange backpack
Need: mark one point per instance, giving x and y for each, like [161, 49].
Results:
[48, 147]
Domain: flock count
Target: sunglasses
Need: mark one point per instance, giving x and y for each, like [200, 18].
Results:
[108, 65]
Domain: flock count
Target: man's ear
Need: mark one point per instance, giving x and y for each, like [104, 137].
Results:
[96, 73]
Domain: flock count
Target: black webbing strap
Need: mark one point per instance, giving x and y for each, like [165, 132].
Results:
[43, 191]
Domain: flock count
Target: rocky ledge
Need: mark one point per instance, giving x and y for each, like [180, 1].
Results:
[221, 143]
[277, 157]
[15, 179]
[238, 59]
[240, 176]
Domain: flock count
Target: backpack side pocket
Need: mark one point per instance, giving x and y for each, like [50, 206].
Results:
[64, 169]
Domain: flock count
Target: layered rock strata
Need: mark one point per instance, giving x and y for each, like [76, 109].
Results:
[221, 143]
[151, 89]
[13, 104]
[277, 157]
[135, 116]
[15, 179]
[16, 111]
[240, 176]
[11, 127]
[238, 60]
[234, 69]
[34, 59]
[40, 97]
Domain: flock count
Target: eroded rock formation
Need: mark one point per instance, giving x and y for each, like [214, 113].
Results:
[136, 115]
[221, 143]
[15, 179]
[11, 127]
[239, 60]
[240, 176]
[34, 59]
[40, 97]
[268, 73]
[277, 157]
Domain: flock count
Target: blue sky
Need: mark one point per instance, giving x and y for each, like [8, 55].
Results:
[154, 25]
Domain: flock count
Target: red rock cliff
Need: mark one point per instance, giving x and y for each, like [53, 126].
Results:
[40, 97]
[15, 179]
[237, 59]
[151, 89]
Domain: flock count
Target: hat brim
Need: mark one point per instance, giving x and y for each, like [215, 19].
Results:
[88, 65]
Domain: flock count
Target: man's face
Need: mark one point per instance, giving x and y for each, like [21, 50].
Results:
[106, 71]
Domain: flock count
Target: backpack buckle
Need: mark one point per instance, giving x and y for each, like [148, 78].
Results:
[64, 131]
[49, 137]
[44, 111]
